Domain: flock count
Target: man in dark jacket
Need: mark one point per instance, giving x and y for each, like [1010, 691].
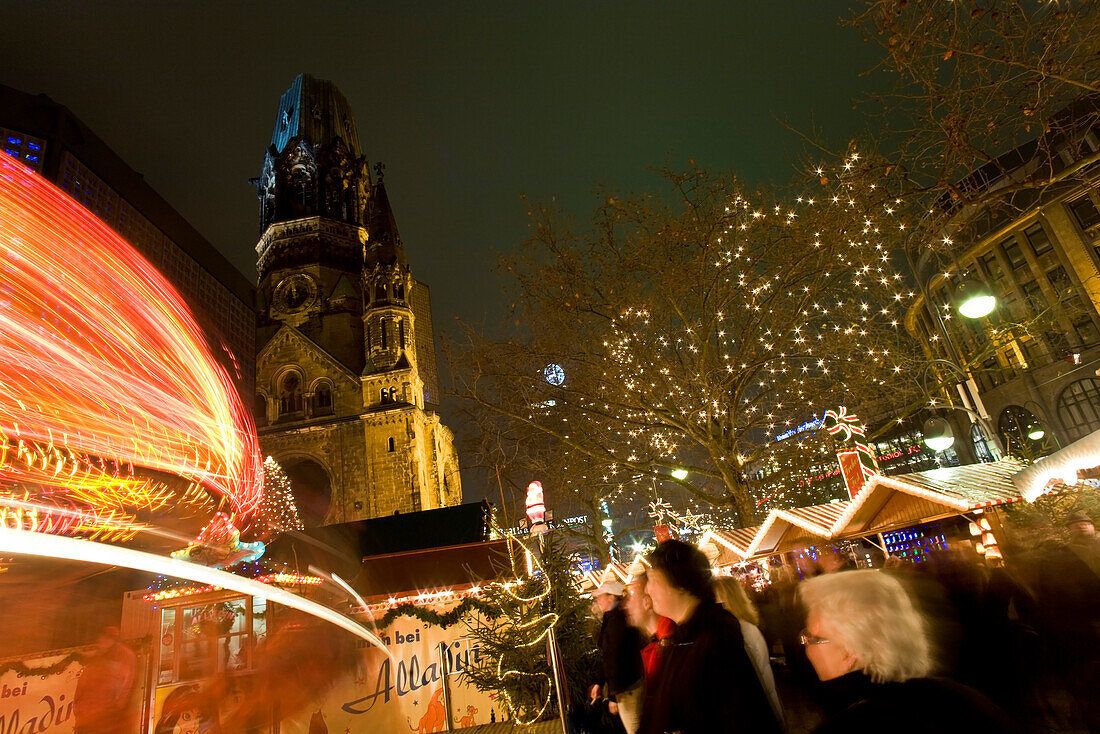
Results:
[620, 645]
[706, 684]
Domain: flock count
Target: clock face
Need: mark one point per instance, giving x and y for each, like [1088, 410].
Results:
[295, 293]
[554, 374]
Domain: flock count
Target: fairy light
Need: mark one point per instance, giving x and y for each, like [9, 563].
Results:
[102, 366]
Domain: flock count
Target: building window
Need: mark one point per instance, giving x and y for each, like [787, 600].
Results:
[259, 412]
[991, 373]
[290, 394]
[207, 639]
[384, 339]
[399, 291]
[322, 399]
[401, 333]
[983, 447]
[1084, 211]
[1079, 407]
[993, 270]
[1037, 238]
[1033, 294]
[1014, 253]
[390, 446]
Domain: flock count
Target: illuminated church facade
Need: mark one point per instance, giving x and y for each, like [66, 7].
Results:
[347, 386]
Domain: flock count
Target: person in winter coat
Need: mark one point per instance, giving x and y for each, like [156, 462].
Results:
[706, 683]
[620, 646]
[653, 627]
[868, 645]
[732, 596]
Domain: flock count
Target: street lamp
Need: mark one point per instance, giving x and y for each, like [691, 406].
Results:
[1035, 432]
[680, 474]
[938, 435]
[975, 299]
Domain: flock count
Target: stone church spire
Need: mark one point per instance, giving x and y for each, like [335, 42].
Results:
[347, 382]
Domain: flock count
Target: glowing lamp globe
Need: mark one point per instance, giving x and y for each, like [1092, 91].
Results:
[938, 434]
[975, 299]
[1035, 432]
[536, 506]
[680, 474]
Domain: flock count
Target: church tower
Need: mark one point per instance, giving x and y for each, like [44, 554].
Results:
[347, 384]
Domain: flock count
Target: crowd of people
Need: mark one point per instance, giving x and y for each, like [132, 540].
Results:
[946, 645]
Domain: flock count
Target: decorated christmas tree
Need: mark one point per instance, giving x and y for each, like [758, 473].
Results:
[277, 512]
[515, 631]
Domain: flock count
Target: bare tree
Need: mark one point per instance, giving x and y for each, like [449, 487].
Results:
[994, 103]
[690, 329]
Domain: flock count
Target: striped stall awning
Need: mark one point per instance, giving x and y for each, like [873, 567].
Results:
[727, 547]
[885, 503]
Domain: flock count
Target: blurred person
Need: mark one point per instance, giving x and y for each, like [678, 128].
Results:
[868, 644]
[598, 715]
[706, 683]
[620, 647]
[1083, 540]
[653, 627]
[834, 561]
[104, 686]
[1068, 594]
[731, 595]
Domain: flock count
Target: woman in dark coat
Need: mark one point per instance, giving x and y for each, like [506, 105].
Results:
[706, 683]
[869, 646]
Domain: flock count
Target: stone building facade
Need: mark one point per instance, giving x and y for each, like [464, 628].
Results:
[1040, 257]
[346, 379]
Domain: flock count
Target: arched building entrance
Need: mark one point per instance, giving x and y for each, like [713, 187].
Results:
[312, 489]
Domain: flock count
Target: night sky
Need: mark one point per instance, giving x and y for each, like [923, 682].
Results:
[469, 105]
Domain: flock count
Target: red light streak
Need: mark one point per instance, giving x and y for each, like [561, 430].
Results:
[102, 366]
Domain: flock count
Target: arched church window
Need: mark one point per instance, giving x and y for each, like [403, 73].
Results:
[322, 399]
[290, 394]
[380, 292]
[401, 333]
[399, 291]
[384, 345]
[391, 445]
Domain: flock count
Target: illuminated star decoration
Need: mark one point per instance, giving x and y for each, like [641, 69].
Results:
[103, 369]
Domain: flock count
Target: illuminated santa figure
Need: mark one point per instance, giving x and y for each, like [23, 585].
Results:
[536, 505]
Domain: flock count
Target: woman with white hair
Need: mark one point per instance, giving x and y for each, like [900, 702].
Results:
[869, 646]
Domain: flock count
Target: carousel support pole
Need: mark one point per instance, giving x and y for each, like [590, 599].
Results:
[442, 650]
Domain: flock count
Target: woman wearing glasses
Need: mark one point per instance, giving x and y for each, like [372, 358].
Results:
[869, 646]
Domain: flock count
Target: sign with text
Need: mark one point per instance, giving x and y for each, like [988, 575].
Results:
[405, 693]
[36, 703]
[853, 471]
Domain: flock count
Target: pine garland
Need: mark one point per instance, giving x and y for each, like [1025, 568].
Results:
[23, 671]
[430, 616]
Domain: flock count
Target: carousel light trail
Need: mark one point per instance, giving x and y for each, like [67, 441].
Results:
[102, 367]
[22, 542]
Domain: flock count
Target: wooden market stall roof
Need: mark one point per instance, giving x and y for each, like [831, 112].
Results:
[885, 503]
